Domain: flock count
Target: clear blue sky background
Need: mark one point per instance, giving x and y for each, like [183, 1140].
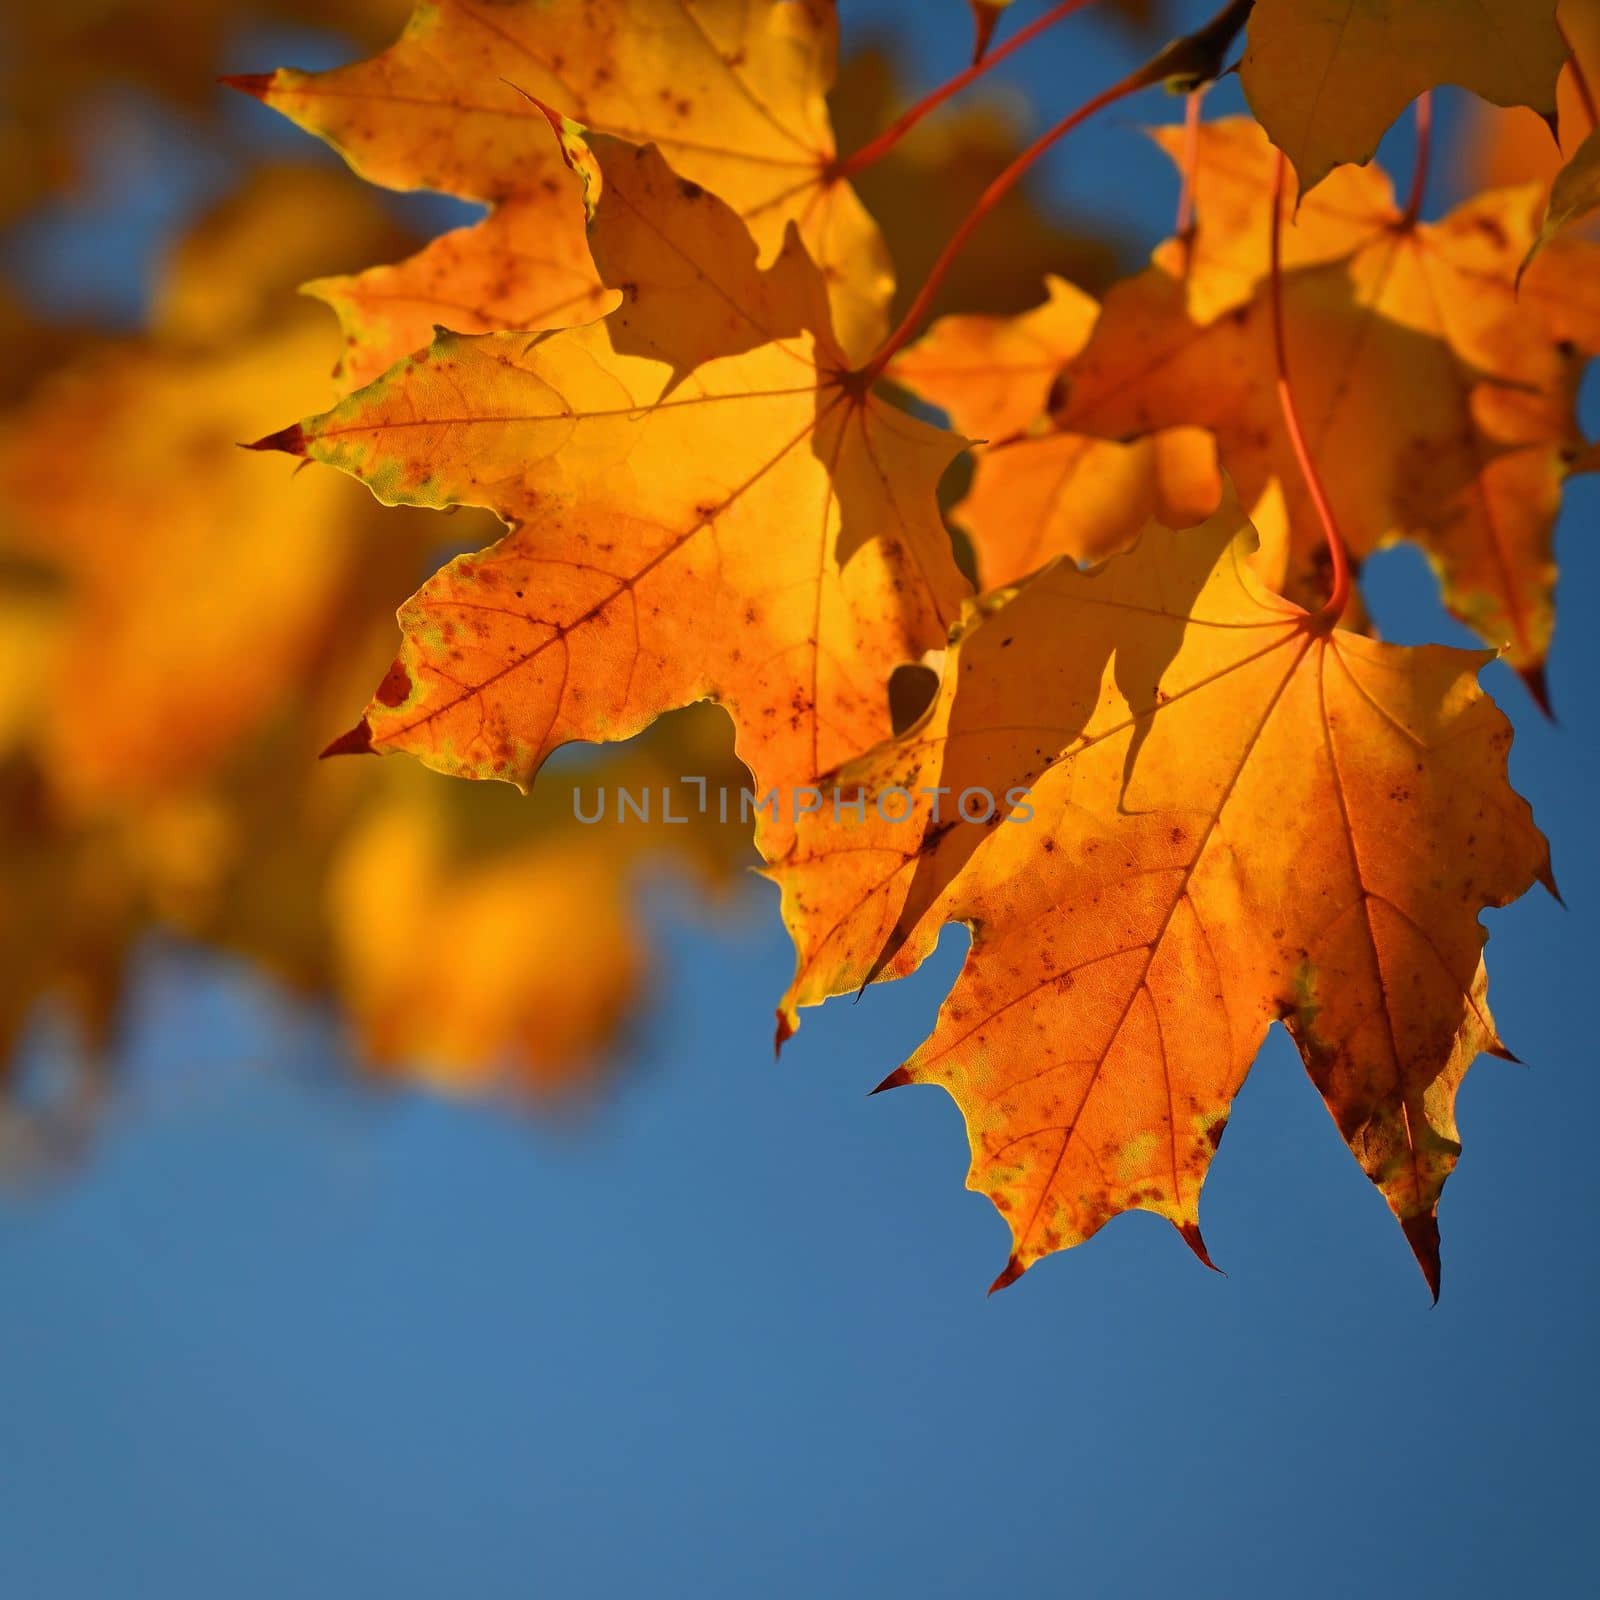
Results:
[730, 1337]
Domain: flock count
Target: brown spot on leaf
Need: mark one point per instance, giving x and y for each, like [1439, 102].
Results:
[395, 689]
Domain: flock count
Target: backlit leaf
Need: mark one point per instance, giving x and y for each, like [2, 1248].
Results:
[1327, 77]
[1439, 397]
[1237, 814]
[1039, 491]
[703, 500]
[731, 90]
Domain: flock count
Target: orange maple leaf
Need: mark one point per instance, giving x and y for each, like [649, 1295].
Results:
[705, 502]
[484, 943]
[1040, 491]
[1237, 814]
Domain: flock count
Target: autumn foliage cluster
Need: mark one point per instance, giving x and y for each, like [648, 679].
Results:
[729, 415]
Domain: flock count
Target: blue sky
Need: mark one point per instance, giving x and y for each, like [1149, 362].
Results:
[729, 1334]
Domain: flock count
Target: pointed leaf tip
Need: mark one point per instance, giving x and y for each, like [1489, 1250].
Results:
[985, 17]
[1538, 686]
[1192, 1238]
[1422, 1234]
[1547, 876]
[551, 115]
[256, 84]
[785, 1032]
[1013, 1270]
[291, 441]
[357, 742]
[897, 1079]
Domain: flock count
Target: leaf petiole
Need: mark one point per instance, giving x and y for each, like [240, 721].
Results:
[1339, 595]
[1419, 173]
[879, 147]
[1184, 227]
[1184, 65]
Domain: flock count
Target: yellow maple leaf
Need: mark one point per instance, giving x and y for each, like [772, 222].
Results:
[732, 90]
[705, 502]
[152, 687]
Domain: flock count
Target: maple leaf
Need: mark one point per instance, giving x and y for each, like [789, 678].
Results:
[1327, 77]
[1236, 814]
[150, 701]
[451, 969]
[1225, 257]
[237, 272]
[1440, 398]
[732, 90]
[1040, 491]
[705, 502]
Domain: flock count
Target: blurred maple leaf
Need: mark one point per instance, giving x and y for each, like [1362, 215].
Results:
[149, 668]
[154, 775]
[485, 940]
